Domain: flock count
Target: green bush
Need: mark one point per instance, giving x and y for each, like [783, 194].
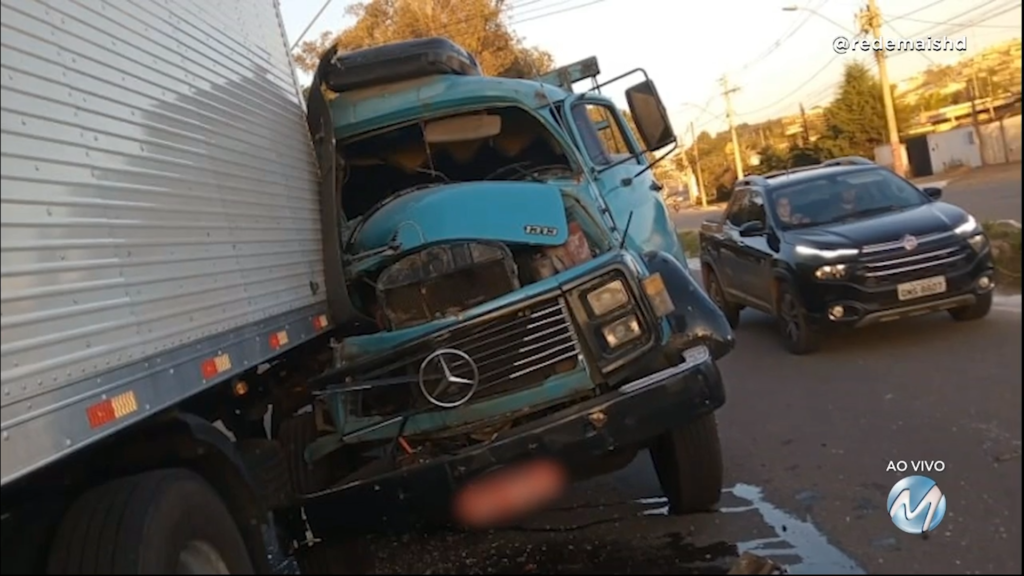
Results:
[690, 241]
[1005, 239]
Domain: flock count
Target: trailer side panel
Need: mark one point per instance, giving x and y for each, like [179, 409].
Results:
[160, 216]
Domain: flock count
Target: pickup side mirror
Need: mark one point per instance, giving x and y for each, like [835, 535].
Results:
[933, 192]
[755, 228]
[650, 116]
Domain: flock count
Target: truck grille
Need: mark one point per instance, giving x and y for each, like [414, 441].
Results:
[515, 351]
[891, 262]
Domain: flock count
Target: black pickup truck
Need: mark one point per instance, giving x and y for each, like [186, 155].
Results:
[843, 244]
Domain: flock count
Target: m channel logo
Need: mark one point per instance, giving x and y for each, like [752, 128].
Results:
[916, 504]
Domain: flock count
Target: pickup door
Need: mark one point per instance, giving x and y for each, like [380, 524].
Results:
[615, 157]
[744, 262]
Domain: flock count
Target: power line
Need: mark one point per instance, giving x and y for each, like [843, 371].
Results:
[992, 13]
[784, 38]
[795, 90]
[557, 12]
[966, 25]
[985, 3]
[921, 9]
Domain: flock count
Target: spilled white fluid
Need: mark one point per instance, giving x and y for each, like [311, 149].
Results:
[796, 539]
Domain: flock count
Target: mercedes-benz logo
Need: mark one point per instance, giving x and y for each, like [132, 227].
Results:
[909, 242]
[449, 371]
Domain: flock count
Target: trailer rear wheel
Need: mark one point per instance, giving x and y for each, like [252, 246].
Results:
[160, 522]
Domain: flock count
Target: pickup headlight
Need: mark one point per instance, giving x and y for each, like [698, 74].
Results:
[969, 227]
[826, 253]
[978, 241]
[622, 331]
[830, 272]
[607, 298]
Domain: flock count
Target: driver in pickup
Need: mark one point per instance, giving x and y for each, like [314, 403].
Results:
[848, 202]
[784, 209]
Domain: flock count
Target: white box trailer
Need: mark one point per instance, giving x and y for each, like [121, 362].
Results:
[160, 236]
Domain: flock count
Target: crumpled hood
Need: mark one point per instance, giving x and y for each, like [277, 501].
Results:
[925, 219]
[512, 212]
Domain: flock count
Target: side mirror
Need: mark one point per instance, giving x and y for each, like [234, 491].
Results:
[932, 192]
[650, 116]
[755, 228]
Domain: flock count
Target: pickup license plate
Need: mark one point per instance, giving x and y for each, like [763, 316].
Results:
[921, 288]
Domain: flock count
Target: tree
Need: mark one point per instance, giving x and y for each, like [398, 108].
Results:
[855, 120]
[476, 25]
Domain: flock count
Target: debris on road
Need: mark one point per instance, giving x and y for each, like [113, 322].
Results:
[749, 563]
[1007, 457]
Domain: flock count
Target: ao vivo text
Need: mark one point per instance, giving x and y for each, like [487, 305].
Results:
[916, 466]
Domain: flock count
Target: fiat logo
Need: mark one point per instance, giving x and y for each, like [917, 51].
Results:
[909, 242]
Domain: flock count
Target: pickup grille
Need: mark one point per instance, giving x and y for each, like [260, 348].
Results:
[515, 351]
[891, 262]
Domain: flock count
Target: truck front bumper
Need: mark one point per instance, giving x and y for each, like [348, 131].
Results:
[630, 416]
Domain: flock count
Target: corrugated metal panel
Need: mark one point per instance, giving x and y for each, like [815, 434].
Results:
[158, 185]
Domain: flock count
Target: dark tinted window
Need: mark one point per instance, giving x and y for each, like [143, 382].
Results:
[846, 196]
[738, 208]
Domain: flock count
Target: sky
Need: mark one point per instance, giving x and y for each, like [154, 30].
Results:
[778, 58]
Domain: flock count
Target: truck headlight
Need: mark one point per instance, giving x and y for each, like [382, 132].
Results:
[830, 272]
[607, 298]
[622, 331]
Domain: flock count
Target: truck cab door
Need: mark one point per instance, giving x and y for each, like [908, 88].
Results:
[321, 130]
[618, 168]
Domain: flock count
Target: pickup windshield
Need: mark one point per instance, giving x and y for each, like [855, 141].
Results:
[843, 197]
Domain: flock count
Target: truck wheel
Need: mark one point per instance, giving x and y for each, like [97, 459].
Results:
[981, 307]
[717, 294]
[798, 335]
[160, 522]
[295, 434]
[688, 461]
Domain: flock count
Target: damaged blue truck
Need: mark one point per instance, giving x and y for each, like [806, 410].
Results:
[513, 290]
[236, 331]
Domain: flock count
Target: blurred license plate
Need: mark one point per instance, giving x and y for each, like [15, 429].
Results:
[921, 288]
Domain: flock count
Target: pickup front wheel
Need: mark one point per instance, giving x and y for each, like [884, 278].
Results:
[688, 461]
[717, 294]
[797, 333]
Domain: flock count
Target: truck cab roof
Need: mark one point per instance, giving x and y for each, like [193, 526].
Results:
[362, 110]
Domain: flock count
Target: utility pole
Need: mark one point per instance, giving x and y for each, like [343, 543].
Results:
[871, 21]
[991, 98]
[737, 156]
[803, 120]
[696, 165]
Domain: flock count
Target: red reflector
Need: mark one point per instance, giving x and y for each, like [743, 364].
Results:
[100, 413]
[507, 494]
[274, 342]
[209, 368]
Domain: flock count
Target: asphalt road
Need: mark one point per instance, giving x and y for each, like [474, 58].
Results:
[991, 193]
[807, 441]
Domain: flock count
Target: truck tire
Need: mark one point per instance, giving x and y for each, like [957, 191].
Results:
[160, 522]
[688, 462]
[981, 307]
[294, 435]
[267, 463]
